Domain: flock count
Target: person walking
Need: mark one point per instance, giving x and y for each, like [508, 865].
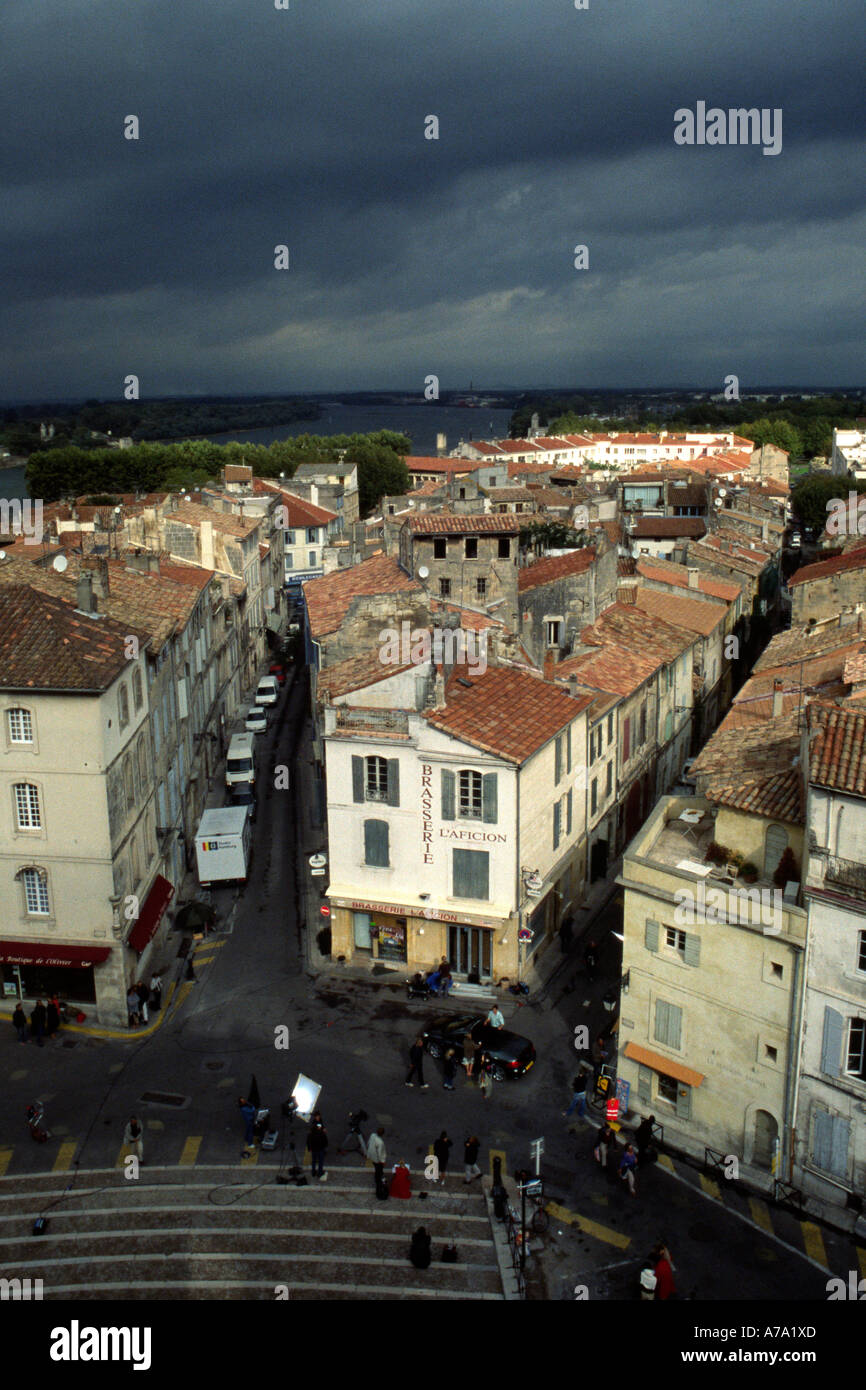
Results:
[450, 1068]
[37, 1022]
[133, 1137]
[663, 1268]
[470, 1158]
[52, 1016]
[317, 1143]
[606, 1141]
[156, 992]
[578, 1099]
[248, 1113]
[420, 1249]
[590, 960]
[485, 1075]
[19, 1023]
[416, 1060]
[470, 1055]
[143, 992]
[627, 1167]
[377, 1156]
[643, 1137]
[442, 1149]
[132, 1006]
[495, 1018]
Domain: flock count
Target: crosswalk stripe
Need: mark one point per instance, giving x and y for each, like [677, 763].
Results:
[665, 1161]
[760, 1215]
[814, 1243]
[65, 1155]
[710, 1187]
[590, 1228]
[189, 1153]
[5, 1157]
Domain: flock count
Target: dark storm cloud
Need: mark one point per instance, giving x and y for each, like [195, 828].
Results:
[408, 256]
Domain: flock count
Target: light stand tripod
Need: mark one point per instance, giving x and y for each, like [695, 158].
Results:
[295, 1171]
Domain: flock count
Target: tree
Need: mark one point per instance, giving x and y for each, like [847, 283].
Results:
[810, 497]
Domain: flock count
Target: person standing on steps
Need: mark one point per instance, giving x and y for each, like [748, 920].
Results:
[470, 1158]
[133, 1137]
[317, 1143]
[416, 1060]
[442, 1149]
[377, 1156]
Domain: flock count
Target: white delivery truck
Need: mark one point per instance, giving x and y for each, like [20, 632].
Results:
[222, 845]
[241, 759]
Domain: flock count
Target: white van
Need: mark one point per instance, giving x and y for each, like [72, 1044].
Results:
[241, 760]
[267, 690]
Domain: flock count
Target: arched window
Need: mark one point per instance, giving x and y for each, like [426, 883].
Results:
[137, 691]
[35, 883]
[123, 706]
[775, 844]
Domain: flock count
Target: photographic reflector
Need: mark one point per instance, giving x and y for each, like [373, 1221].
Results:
[306, 1095]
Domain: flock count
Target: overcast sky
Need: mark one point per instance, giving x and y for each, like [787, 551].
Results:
[411, 256]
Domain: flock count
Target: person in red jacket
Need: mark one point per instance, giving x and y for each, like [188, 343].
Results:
[664, 1272]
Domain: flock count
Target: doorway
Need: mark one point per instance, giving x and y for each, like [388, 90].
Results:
[469, 951]
[766, 1135]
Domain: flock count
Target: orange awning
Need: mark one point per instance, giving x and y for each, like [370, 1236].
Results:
[663, 1064]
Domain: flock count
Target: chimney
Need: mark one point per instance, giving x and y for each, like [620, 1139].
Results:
[550, 663]
[314, 494]
[572, 686]
[777, 698]
[97, 568]
[207, 551]
[85, 602]
[439, 689]
[765, 531]
[694, 577]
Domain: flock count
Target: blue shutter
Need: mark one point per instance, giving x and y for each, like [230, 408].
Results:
[822, 1140]
[839, 1147]
[568, 807]
[488, 798]
[557, 823]
[568, 750]
[471, 872]
[357, 779]
[692, 953]
[393, 794]
[644, 1083]
[447, 794]
[831, 1046]
[557, 753]
[675, 1027]
[376, 843]
[684, 1101]
[651, 935]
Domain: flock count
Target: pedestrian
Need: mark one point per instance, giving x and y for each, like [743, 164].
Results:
[643, 1137]
[377, 1156]
[400, 1183]
[433, 981]
[354, 1138]
[143, 993]
[470, 1158]
[627, 1166]
[442, 1149]
[494, 1018]
[133, 1138]
[132, 1006]
[190, 973]
[419, 1250]
[470, 1052]
[606, 1140]
[52, 1016]
[565, 935]
[450, 1066]
[599, 1057]
[485, 1075]
[317, 1143]
[590, 960]
[19, 1023]
[156, 992]
[37, 1022]
[248, 1112]
[663, 1268]
[446, 983]
[416, 1059]
[578, 1098]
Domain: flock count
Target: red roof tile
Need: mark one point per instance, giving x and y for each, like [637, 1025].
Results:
[481, 711]
[555, 567]
[824, 569]
[452, 524]
[330, 597]
[837, 748]
[48, 645]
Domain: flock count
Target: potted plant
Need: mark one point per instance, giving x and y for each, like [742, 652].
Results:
[749, 871]
[716, 853]
[734, 860]
[787, 870]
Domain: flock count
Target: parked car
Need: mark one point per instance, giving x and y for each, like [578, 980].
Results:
[267, 691]
[511, 1054]
[278, 670]
[243, 795]
[257, 719]
[795, 539]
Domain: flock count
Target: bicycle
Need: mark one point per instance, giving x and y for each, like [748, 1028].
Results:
[539, 1221]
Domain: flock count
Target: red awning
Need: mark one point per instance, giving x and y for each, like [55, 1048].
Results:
[150, 916]
[50, 953]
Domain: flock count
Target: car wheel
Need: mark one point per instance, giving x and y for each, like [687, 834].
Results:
[499, 1072]
[434, 1049]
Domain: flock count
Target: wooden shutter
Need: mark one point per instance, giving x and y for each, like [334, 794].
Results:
[651, 935]
[357, 778]
[568, 750]
[684, 1101]
[831, 1045]
[839, 1147]
[447, 794]
[775, 843]
[471, 873]
[376, 843]
[668, 1024]
[557, 823]
[393, 782]
[692, 953]
[488, 798]
[626, 740]
[822, 1140]
[557, 759]
[568, 808]
[644, 1083]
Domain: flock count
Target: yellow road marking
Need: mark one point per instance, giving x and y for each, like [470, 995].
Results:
[861, 1254]
[590, 1228]
[65, 1155]
[760, 1215]
[189, 1153]
[5, 1158]
[500, 1154]
[209, 946]
[710, 1187]
[252, 1155]
[204, 960]
[665, 1161]
[814, 1243]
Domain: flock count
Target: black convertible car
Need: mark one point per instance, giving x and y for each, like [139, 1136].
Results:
[511, 1054]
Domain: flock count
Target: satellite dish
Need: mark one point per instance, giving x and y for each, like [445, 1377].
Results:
[423, 572]
[60, 563]
[2, 554]
[718, 502]
[723, 492]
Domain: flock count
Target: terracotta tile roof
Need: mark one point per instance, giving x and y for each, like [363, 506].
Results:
[693, 614]
[787, 649]
[825, 569]
[299, 512]
[470, 618]
[193, 514]
[612, 529]
[624, 626]
[771, 486]
[518, 446]
[483, 712]
[616, 670]
[237, 472]
[516, 470]
[484, 446]
[581, 440]
[356, 673]
[416, 463]
[750, 562]
[626, 567]
[509, 494]
[662, 527]
[554, 567]
[452, 524]
[837, 748]
[666, 572]
[47, 645]
[854, 670]
[553, 442]
[329, 597]
[551, 499]
[755, 769]
[427, 489]
[656, 474]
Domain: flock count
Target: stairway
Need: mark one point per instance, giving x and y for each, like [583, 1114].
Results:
[232, 1232]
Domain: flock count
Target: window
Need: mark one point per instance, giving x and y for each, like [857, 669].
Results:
[553, 627]
[491, 482]
[667, 1028]
[557, 758]
[593, 807]
[609, 783]
[440, 548]
[770, 1053]
[856, 1065]
[312, 535]
[471, 872]
[626, 739]
[19, 725]
[376, 848]
[35, 891]
[481, 588]
[137, 692]
[377, 779]
[471, 548]
[861, 951]
[463, 494]
[669, 727]
[123, 706]
[642, 740]
[470, 794]
[557, 823]
[667, 1088]
[504, 548]
[777, 969]
[675, 940]
[568, 812]
[311, 558]
[290, 561]
[444, 588]
[27, 806]
[609, 730]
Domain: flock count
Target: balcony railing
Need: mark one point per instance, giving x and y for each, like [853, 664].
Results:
[847, 875]
[386, 720]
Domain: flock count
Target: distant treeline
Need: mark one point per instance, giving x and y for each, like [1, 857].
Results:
[801, 425]
[54, 474]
